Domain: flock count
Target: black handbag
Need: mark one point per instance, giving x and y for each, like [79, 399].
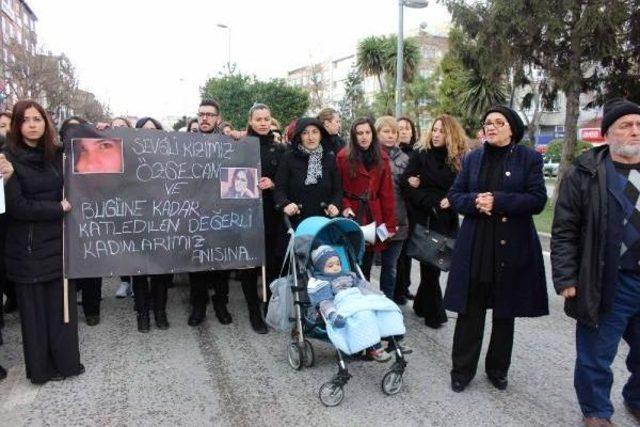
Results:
[430, 247]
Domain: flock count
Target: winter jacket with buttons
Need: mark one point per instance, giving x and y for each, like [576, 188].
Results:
[520, 289]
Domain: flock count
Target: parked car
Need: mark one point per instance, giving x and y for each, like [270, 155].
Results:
[550, 168]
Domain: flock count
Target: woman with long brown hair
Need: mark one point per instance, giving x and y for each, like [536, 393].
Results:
[35, 208]
[366, 176]
[432, 169]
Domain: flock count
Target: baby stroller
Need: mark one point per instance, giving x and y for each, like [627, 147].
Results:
[346, 237]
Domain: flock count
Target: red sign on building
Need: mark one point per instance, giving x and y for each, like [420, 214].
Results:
[590, 135]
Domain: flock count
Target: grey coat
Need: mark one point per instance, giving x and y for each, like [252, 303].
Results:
[399, 161]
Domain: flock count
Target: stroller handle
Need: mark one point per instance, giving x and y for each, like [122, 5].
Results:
[287, 223]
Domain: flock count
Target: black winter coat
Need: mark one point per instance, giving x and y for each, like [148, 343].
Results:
[314, 198]
[586, 236]
[520, 289]
[436, 178]
[270, 157]
[33, 249]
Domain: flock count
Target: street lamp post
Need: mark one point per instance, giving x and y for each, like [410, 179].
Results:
[226, 27]
[415, 4]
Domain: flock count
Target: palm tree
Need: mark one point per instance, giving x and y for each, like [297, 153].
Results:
[371, 58]
[410, 57]
[482, 92]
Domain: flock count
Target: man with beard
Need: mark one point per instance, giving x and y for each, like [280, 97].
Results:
[208, 121]
[595, 255]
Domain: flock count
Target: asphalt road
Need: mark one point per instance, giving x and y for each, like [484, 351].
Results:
[228, 375]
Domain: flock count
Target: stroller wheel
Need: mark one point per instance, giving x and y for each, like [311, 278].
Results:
[391, 383]
[309, 356]
[295, 356]
[331, 394]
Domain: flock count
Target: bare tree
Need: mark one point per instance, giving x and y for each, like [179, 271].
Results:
[317, 86]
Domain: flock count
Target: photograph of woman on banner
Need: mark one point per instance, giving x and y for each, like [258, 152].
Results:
[93, 155]
[242, 184]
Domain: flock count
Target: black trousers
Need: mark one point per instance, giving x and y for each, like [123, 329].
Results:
[150, 292]
[428, 299]
[367, 264]
[403, 272]
[199, 283]
[91, 289]
[50, 346]
[467, 341]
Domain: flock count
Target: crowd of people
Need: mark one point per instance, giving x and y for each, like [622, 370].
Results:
[387, 174]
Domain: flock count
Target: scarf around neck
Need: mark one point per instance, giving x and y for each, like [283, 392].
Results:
[314, 164]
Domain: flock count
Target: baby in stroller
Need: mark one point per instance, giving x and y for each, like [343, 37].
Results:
[328, 281]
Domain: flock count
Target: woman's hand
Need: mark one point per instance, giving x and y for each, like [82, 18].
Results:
[484, 203]
[66, 206]
[348, 213]
[6, 168]
[291, 209]
[332, 211]
[265, 183]
[414, 181]
[238, 134]
[444, 203]
[569, 292]
[102, 125]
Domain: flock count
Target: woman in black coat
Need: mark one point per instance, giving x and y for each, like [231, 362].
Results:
[90, 287]
[150, 291]
[432, 168]
[307, 182]
[270, 156]
[497, 262]
[33, 253]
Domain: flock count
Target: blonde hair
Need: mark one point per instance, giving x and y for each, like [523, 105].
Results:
[389, 121]
[455, 140]
[275, 122]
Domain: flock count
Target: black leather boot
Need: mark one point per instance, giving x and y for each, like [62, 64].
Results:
[220, 307]
[198, 314]
[143, 321]
[256, 321]
[161, 319]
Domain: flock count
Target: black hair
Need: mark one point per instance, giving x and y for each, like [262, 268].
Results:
[140, 123]
[211, 103]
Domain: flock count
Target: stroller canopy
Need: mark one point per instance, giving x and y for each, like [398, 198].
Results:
[317, 230]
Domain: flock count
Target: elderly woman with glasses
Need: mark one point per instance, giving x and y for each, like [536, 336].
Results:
[497, 263]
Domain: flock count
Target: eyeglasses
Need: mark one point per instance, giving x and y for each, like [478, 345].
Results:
[208, 115]
[496, 124]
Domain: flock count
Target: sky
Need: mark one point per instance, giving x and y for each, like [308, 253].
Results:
[149, 57]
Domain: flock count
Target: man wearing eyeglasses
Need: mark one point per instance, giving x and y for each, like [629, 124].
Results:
[595, 256]
[208, 121]
[209, 116]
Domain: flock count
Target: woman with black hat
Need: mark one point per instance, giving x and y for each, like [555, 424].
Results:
[497, 262]
[307, 182]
